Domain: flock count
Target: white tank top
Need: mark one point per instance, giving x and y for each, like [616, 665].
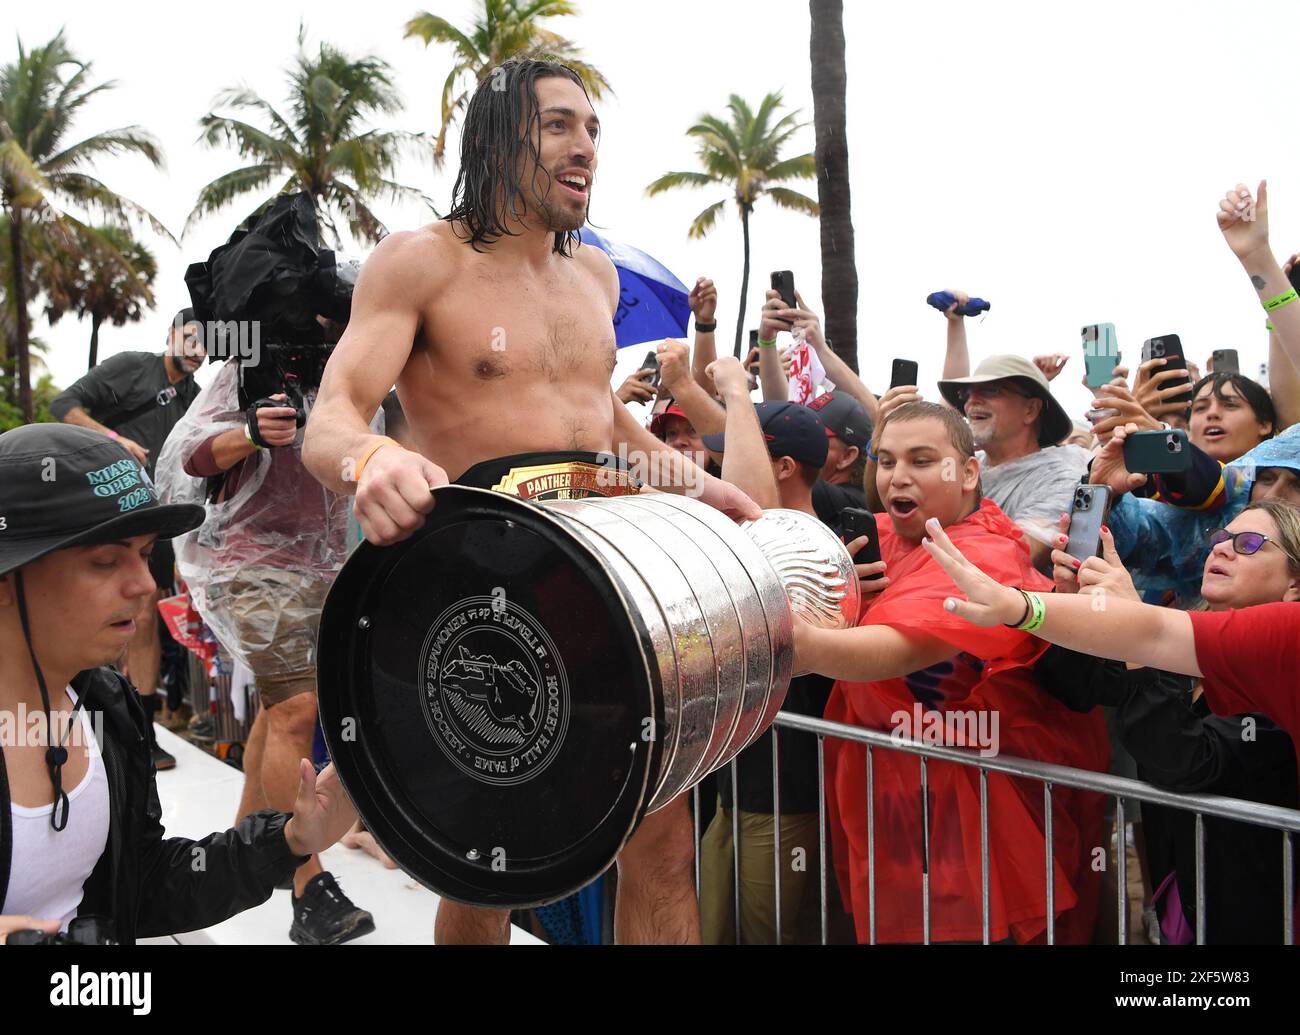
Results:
[49, 867]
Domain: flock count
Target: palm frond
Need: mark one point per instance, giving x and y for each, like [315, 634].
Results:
[126, 140]
[249, 141]
[225, 188]
[673, 180]
[705, 221]
[793, 200]
[91, 194]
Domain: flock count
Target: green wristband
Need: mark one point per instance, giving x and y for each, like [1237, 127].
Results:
[1268, 324]
[1038, 613]
[1285, 298]
[766, 344]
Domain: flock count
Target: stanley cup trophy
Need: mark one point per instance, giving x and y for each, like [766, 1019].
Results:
[509, 692]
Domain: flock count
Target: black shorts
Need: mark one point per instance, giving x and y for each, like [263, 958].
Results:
[553, 476]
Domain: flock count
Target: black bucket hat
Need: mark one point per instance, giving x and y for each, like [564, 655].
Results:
[62, 486]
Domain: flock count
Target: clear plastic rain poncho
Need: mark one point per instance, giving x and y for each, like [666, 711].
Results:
[258, 568]
[1163, 546]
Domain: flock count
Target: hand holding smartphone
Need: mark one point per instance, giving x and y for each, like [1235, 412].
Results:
[1170, 348]
[905, 372]
[1087, 515]
[1100, 353]
[1157, 452]
[856, 523]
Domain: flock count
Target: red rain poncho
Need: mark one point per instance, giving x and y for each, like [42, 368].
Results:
[991, 672]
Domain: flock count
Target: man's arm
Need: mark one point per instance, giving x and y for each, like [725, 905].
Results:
[746, 462]
[392, 484]
[1158, 637]
[704, 306]
[705, 415]
[804, 320]
[1244, 222]
[866, 654]
[367, 360]
[93, 393]
[956, 357]
[1283, 383]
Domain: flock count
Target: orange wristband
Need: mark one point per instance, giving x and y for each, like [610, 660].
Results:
[365, 457]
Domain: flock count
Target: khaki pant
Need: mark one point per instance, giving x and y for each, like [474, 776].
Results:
[800, 880]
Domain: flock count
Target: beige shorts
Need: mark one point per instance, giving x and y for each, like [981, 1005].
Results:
[275, 616]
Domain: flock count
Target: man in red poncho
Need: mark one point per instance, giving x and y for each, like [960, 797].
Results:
[912, 668]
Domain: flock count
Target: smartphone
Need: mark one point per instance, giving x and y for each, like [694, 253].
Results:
[857, 522]
[752, 361]
[1171, 348]
[783, 281]
[1157, 452]
[1294, 276]
[1102, 413]
[651, 362]
[905, 373]
[1087, 515]
[1100, 353]
[1225, 361]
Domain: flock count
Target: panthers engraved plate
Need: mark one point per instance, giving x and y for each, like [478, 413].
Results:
[572, 480]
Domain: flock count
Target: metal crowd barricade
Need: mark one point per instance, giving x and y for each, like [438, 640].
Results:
[1285, 821]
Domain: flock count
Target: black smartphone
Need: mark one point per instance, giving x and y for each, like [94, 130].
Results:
[752, 360]
[1087, 515]
[1170, 348]
[1294, 276]
[1225, 361]
[783, 281]
[856, 523]
[1158, 452]
[651, 362]
[905, 372]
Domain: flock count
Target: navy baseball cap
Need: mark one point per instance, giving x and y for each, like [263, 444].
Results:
[62, 486]
[844, 417]
[790, 430]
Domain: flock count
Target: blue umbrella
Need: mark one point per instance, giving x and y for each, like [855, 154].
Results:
[653, 303]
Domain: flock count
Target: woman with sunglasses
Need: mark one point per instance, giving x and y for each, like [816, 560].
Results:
[1163, 720]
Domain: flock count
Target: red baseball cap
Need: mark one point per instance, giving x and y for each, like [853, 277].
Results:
[657, 423]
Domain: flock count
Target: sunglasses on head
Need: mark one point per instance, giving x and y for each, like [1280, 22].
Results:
[1245, 543]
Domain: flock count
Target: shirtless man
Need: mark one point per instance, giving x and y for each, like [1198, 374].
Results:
[497, 329]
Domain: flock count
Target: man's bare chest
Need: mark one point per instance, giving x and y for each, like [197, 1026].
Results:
[494, 328]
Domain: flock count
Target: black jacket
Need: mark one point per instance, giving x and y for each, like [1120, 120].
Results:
[1180, 746]
[146, 883]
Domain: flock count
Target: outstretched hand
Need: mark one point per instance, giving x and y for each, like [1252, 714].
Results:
[1244, 219]
[987, 602]
[322, 812]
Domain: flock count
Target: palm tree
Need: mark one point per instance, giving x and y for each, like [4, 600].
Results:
[502, 30]
[744, 155]
[40, 95]
[116, 287]
[839, 270]
[323, 147]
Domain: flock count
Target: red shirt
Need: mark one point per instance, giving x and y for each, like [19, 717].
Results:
[1250, 658]
[990, 676]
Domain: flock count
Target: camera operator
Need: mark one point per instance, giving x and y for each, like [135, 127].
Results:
[258, 572]
[80, 819]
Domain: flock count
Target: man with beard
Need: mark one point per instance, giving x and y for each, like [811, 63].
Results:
[1016, 425]
[497, 327]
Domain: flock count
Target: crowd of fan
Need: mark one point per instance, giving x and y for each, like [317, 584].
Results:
[1221, 536]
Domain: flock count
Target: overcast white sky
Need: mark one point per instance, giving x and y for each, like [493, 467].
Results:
[1063, 162]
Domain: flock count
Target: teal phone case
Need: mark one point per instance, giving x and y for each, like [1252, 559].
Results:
[1100, 353]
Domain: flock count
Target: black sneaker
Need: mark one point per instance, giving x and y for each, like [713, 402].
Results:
[326, 916]
[162, 759]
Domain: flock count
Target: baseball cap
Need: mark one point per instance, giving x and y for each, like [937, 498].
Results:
[63, 486]
[1054, 425]
[844, 417]
[657, 422]
[790, 430]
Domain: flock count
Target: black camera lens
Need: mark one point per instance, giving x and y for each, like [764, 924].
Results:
[1171, 444]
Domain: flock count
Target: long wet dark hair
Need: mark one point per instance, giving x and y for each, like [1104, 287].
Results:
[487, 191]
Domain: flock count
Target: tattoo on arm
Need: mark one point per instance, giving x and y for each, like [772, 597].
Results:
[1258, 281]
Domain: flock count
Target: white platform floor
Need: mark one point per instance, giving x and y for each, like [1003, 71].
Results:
[201, 795]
